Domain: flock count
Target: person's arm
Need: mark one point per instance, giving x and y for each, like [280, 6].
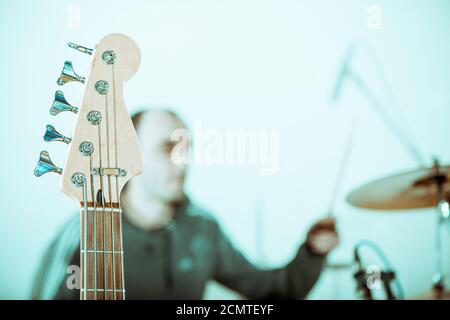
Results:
[293, 281]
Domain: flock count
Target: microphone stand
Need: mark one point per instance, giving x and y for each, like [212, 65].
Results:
[443, 211]
[363, 278]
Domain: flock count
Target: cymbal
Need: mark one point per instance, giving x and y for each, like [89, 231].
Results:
[409, 190]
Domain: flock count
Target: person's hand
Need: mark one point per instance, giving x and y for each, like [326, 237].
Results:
[322, 237]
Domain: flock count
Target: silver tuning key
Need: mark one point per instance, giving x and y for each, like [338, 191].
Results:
[80, 48]
[68, 74]
[52, 135]
[45, 165]
[60, 104]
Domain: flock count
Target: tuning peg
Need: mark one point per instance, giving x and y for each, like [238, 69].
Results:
[68, 74]
[60, 104]
[45, 165]
[52, 135]
[80, 48]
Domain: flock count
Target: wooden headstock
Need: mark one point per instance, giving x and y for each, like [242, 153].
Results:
[104, 147]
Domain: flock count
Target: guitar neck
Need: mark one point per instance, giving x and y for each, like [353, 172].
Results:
[101, 252]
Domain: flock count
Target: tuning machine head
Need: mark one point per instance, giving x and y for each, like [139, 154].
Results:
[60, 104]
[45, 165]
[52, 135]
[68, 74]
[80, 48]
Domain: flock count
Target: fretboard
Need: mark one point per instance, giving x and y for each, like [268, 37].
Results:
[101, 252]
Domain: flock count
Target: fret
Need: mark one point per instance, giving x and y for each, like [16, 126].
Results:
[101, 251]
[102, 290]
[100, 294]
[100, 209]
[100, 205]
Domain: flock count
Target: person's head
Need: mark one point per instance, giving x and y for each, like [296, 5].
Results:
[161, 179]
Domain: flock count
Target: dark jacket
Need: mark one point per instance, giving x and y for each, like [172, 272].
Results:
[176, 262]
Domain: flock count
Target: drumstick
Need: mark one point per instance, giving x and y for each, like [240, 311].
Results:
[343, 166]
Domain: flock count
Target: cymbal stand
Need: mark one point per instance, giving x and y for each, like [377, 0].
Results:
[443, 216]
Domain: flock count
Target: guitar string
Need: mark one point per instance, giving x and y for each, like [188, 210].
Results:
[112, 237]
[121, 245]
[117, 185]
[110, 199]
[85, 238]
[95, 227]
[103, 211]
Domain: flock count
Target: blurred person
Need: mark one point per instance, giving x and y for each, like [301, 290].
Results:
[172, 247]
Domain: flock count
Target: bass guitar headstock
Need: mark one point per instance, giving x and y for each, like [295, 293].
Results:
[103, 149]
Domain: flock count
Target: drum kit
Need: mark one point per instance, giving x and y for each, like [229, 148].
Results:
[426, 187]
[417, 189]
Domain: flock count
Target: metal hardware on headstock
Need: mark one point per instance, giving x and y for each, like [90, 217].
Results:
[118, 59]
[86, 148]
[98, 134]
[60, 104]
[45, 165]
[80, 48]
[102, 86]
[78, 179]
[52, 135]
[94, 117]
[109, 57]
[117, 172]
[68, 74]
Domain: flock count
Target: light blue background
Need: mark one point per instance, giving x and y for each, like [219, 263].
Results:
[238, 64]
